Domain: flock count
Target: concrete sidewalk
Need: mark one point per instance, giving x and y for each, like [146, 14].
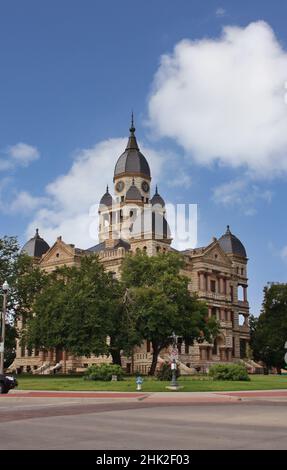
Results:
[158, 397]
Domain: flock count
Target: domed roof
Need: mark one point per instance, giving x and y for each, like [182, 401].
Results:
[133, 193]
[152, 223]
[36, 246]
[107, 199]
[132, 160]
[231, 244]
[157, 199]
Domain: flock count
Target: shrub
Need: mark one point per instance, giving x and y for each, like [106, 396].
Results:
[104, 372]
[229, 372]
[165, 372]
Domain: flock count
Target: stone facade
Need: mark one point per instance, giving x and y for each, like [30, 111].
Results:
[217, 273]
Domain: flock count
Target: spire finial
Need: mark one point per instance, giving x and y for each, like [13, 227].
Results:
[107, 188]
[228, 229]
[132, 128]
[133, 181]
[156, 190]
[37, 232]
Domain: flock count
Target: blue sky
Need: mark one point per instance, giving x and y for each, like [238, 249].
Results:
[71, 71]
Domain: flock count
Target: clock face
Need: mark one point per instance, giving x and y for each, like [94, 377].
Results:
[145, 186]
[120, 186]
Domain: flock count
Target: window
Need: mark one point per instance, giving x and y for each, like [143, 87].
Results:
[214, 349]
[240, 293]
[148, 346]
[213, 286]
[241, 319]
[186, 348]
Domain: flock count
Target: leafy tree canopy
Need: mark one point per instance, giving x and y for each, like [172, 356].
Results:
[269, 331]
[161, 302]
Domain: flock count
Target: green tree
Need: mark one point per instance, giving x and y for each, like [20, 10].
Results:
[24, 283]
[162, 304]
[10, 345]
[78, 309]
[269, 331]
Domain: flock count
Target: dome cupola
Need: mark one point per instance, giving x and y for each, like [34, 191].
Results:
[107, 199]
[231, 244]
[157, 199]
[132, 161]
[36, 246]
[133, 193]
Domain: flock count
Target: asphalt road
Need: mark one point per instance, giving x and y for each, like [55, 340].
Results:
[81, 423]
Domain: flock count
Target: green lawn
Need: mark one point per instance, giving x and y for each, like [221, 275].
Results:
[190, 384]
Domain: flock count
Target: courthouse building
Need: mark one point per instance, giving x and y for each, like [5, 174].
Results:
[131, 220]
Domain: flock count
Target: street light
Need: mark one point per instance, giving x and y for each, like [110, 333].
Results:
[5, 289]
[174, 354]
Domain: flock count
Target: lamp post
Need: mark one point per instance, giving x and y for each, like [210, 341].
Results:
[174, 354]
[5, 289]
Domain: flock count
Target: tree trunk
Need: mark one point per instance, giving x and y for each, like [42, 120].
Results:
[155, 354]
[278, 370]
[116, 356]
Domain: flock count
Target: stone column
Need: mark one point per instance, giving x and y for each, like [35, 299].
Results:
[202, 284]
[221, 285]
[207, 282]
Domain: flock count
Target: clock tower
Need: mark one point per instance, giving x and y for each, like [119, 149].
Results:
[132, 179]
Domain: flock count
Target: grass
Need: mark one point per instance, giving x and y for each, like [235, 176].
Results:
[190, 384]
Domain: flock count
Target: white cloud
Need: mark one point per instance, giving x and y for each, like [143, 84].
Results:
[23, 153]
[72, 197]
[220, 12]
[223, 101]
[180, 179]
[241, 193]
[20, 154]
[24, 202]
